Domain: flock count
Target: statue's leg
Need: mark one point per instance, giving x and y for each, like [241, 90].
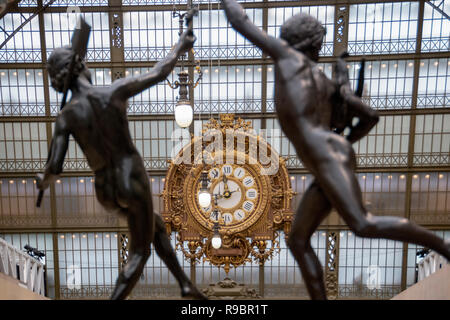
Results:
[166, 252]
[337, 179]
[104, 190]
[314, 207]
[138, 254]
[134, 197]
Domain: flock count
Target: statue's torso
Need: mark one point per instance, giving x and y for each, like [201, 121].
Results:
[100, 127]
[302, 91]
[304, 100]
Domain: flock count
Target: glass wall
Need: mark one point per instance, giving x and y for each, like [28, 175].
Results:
[382, 28]
[25, 45]
[369, 268]
[22, 92]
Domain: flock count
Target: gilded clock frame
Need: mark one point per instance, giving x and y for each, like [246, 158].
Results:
[182, 214]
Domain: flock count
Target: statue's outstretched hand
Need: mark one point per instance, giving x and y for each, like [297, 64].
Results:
[190, 15]
[43, 181]
[187, 40]
[40, 179]
[40, 182]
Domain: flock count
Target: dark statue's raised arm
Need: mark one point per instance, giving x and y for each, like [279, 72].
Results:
[240, 21]
[129, 87]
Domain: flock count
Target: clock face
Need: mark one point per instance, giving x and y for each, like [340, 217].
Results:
[236, 194]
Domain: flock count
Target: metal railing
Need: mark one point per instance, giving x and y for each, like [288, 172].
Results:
[430, 264]
[23, 267]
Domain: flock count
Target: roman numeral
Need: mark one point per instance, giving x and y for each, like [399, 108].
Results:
[248, 206]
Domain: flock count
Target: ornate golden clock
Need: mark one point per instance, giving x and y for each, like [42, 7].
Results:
[250, 190]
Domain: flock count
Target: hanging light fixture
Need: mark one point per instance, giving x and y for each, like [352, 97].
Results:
[204, 196]
[183, 110]
[184, 113]
[216, 240]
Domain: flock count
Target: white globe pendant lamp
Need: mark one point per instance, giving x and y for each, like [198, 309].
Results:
[183, 110]
[204, 196]
[183, 114]
[216, 240]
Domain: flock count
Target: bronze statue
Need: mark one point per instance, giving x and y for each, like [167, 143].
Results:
[307, 103]
[97, 119]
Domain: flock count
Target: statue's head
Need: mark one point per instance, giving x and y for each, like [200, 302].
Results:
[305, 33]
[58, 67]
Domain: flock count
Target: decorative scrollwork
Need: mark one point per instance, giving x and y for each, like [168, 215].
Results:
[196, 250]
[234, 252]
[331, 266]
[176, 84]
[262, 255]
[227, 283]
[116, 32]
[230, 289]
[124, 246]
[341, 28]
[227, 121]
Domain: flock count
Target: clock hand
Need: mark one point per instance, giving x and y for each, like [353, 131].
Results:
[217, 195]
[227, 194]
[224, 179]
